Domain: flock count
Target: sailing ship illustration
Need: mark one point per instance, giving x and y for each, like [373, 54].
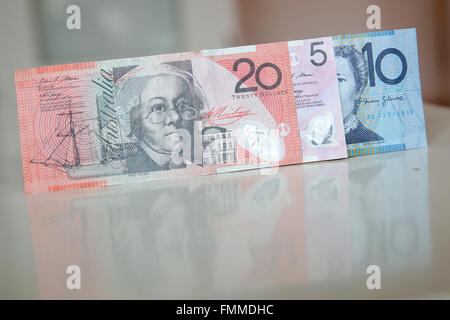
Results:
[77, 149]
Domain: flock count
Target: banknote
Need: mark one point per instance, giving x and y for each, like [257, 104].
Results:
[194, 113]
[379, 83]
[317, 99]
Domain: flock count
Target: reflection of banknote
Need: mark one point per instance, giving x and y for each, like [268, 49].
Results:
[327, 221]
[203, 112]
[392, 226]
[379, 83]
[174, 238]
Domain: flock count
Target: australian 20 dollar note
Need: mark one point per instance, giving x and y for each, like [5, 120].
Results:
[203, 112]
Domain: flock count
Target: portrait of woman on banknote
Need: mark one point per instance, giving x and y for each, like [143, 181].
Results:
[162, 122]
[352, 76]
[165, 109]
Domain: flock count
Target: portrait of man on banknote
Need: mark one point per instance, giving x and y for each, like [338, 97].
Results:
[162, 122]
[352, 76]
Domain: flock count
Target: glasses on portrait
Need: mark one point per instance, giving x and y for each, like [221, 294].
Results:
[158, 112]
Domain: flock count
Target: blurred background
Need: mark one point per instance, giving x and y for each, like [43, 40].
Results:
[34, 32]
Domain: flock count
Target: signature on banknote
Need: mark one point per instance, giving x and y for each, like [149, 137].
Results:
[227, 115]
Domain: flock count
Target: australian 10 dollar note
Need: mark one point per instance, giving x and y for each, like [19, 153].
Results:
[379, 84]
[195, 113]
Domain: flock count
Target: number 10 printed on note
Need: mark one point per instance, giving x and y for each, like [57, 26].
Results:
[379, 84]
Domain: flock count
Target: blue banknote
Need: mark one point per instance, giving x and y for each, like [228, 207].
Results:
[379, 86]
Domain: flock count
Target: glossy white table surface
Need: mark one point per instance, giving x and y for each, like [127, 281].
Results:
[306, 231]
